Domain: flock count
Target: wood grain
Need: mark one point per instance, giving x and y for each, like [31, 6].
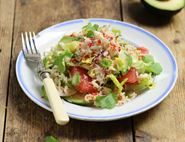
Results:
[25, 120]
[6, 27]
[164, 123]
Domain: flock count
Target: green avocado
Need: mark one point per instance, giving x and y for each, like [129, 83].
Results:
[77, 99]
[164, 7]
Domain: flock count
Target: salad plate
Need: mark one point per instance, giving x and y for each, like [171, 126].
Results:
[48, 38]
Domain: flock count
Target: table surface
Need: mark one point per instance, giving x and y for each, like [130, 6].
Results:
[21, 120]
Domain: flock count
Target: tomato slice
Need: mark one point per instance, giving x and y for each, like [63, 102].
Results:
[85, 85]
[143, 50]
[131, 75]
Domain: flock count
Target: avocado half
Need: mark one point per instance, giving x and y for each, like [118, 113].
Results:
[164, 7]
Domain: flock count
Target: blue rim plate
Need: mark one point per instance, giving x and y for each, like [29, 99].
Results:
[165, 82]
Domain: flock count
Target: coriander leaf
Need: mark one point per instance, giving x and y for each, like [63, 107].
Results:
[50, 139]
[76, 79]
[106, 63]
[90, 34]
[148, 59]
[45, 62]
[60, 62]
[67, 39]
[43, 93]
[108, 101]
[154, 68]
[90, 28]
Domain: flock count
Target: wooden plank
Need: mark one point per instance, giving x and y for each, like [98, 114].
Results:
[25, 120]
[6, 25]
[164, 123]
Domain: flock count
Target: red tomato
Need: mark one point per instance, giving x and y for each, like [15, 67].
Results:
[85, 85]
[143, 50]
[131, 75]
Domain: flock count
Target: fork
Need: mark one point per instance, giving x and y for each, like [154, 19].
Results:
[32, 54]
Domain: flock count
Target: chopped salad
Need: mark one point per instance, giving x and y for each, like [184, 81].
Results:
[97, 67]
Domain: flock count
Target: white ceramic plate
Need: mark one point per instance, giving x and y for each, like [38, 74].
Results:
[47, 38]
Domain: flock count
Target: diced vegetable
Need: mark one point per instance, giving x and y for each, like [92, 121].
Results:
[107, 101]
[72, 46]
[68, 39]
[85, 85]
[131, 75]
[116, 82]
[117, 32]
[143, 50]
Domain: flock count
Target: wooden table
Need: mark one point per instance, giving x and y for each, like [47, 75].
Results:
[21, 120]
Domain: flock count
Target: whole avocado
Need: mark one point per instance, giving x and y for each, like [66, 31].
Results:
[164, 7]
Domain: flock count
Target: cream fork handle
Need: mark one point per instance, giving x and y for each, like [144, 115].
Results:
[55, 101]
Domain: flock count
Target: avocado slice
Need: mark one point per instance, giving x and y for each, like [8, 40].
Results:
[77, 99]
[164, 7]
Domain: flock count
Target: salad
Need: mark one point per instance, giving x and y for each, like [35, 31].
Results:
[97, 67]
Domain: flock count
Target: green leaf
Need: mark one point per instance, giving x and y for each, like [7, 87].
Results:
[67, 39]
[106, 63]
[43, 93]
[76, 79]
[148, 59]
[60, 62]
[154, 68]
[90, 28]
[129, 60]
[90, 33]
[108, 101]
[45, 61]
[50, 139]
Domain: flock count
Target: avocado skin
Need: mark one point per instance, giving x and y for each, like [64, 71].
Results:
[159, 11]
[76, 100]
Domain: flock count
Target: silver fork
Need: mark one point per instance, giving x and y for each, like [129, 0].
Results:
[31, 54]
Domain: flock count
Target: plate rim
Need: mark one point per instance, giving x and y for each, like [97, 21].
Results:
[107, 117]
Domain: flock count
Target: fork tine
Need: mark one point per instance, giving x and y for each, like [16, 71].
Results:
[31, 42]
[24, 45]
[28, 45]
[34, 43]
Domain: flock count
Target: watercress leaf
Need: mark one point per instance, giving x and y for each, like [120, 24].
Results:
[50, 139]
[108, 101]
[90, 27]
[90, 33]
[106, 63]
[154, 68]
[60, 62]
[148, 59]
